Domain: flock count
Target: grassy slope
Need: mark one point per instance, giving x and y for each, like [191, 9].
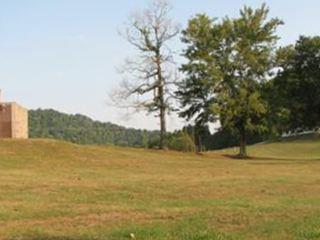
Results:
[55, 190]
[296, 148]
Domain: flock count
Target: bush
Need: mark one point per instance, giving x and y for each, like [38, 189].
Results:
[182, 141]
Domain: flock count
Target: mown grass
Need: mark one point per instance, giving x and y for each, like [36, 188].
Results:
[55, 190]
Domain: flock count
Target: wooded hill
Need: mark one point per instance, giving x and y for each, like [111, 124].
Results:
[83, 130]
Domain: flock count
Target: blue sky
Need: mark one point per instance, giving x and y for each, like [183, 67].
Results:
[63, 54]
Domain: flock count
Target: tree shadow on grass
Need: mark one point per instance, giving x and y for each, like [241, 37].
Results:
[272, 161]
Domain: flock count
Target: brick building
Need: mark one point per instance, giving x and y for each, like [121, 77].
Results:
[13, 121]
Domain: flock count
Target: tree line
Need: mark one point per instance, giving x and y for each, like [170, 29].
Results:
[234, 75]
[80, 129]
[83, 130]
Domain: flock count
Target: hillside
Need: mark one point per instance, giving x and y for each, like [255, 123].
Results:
[83, 130]
[61, 191]
[301, 147]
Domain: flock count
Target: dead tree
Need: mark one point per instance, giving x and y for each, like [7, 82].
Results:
[149, 77]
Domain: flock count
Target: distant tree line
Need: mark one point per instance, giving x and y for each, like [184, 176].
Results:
[83, 130]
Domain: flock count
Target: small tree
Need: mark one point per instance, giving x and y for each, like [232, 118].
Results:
[149, 77]
[227, 62]
[182, 141]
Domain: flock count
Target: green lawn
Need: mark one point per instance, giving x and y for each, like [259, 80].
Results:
[55, 190]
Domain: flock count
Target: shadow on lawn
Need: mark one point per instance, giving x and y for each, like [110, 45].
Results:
[272, 161]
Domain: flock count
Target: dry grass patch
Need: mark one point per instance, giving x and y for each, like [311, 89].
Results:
[55, 190]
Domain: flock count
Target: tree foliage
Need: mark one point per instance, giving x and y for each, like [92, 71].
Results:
[298, 83]
[181, 141]
[227, 62]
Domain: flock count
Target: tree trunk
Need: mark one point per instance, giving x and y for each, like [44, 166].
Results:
[162, 115]
[199, 145]
[243, 144]
[162, 104]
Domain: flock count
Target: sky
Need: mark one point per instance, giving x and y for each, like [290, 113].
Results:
[64, 54]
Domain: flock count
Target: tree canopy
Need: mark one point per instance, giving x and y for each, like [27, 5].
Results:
[298, 83]
[227, 62]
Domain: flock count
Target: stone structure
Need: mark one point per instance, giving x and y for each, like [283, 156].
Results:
[13, 121]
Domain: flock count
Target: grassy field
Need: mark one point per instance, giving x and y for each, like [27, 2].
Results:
[55, 190]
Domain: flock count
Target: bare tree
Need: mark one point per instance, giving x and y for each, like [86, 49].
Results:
[149, 77]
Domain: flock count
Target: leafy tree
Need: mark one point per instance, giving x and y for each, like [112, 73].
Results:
[201, 136]
[152, 73]
[298, 83]
[227, 62]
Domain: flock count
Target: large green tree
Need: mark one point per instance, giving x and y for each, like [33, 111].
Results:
[227, 61]
[298, 83]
